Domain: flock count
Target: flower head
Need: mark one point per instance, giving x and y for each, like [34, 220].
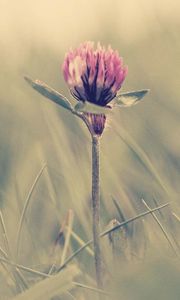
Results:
[94, 75]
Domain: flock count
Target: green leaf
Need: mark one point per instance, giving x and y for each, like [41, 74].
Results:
[50, 287]
[129, 98]
[92, 108]
[49, 93]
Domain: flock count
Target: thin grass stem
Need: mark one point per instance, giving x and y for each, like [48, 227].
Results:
[27, 201]
[68, 235]
[176, 216]
[161, 227]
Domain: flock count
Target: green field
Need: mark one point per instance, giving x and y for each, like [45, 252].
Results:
[45, 154]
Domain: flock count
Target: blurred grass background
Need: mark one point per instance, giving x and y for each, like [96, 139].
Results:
[140, 148]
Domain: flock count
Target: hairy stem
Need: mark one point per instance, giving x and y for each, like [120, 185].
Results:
[96, 209]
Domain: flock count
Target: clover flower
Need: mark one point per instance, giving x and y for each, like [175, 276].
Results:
[94, 75]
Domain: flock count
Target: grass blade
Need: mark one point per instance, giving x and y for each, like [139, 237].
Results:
[44, 275]
[70, 258]
[16, 274]
[143, 157]
[50, 287]
[27, 201]
[67, 236]
[78, 284]
[5, 233]
[81, 243]
[23, 268]
[161, 227]
[121, 215]
[177, 218]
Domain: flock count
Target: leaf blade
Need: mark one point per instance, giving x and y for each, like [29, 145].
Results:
[130, 98]
[49, 93]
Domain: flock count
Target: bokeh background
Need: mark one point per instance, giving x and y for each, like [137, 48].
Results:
[140, 149]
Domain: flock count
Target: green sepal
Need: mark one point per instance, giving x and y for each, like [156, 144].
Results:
[88, 107]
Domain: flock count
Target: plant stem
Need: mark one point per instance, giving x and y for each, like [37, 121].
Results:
[96, 208]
